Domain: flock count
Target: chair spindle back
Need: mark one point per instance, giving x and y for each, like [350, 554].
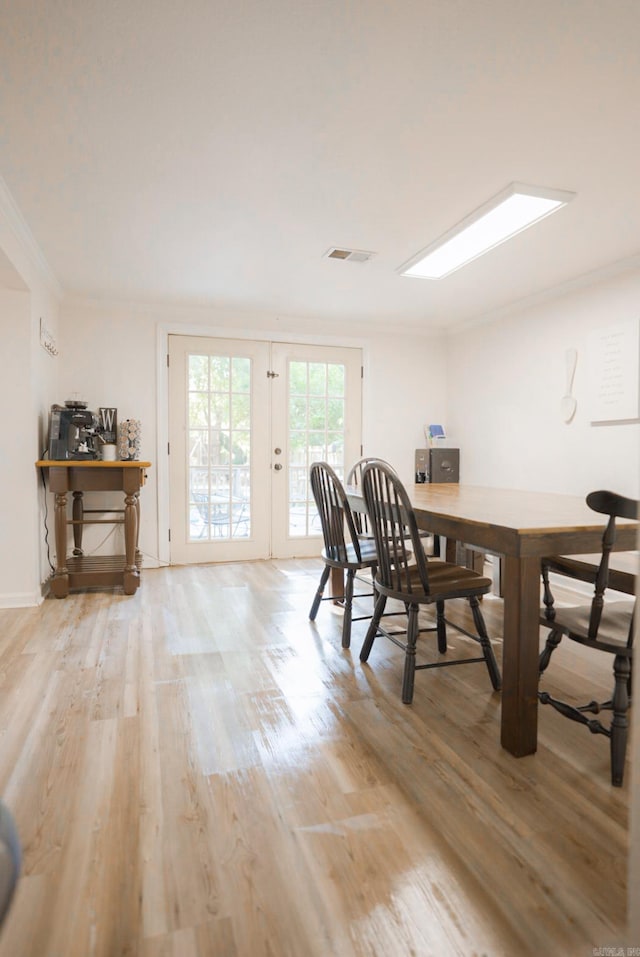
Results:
[615, 506]
[335, 513]
[394, 527]
[354, 477]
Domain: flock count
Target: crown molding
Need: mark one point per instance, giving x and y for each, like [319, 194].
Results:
[10, 212]
[201, 316]
[583, 281]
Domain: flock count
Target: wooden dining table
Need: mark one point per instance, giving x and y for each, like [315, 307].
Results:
[521, 527]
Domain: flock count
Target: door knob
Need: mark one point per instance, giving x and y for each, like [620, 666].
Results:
[277, 466]
[278, 451]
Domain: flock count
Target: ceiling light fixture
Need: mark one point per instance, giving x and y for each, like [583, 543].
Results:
[507, 214]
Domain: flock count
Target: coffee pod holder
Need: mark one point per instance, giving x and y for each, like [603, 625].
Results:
[129, 437]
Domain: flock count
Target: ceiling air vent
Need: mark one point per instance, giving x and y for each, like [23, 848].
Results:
[350, 255]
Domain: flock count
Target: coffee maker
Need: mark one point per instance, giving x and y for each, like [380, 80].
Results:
[73, 431]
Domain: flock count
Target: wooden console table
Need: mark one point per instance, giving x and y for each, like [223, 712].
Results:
[78, 477]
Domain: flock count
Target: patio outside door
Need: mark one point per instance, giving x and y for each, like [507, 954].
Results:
[246, 419]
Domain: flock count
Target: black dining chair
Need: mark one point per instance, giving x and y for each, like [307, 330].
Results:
[430, 542]
[416, 581]
[603, 624]
[343, 548]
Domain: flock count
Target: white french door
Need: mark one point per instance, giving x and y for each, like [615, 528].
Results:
[317, 416]
[246, 419]
[219, 453]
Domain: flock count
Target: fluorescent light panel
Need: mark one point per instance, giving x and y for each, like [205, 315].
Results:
[504, 216]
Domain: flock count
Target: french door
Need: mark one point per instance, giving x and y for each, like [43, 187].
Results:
[246, 419]
[316, 416]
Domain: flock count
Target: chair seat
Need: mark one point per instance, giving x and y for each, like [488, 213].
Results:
[445, 581]
[612, 631]
[347, 557]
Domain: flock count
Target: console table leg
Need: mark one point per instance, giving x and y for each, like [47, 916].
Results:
[137, 527]
[77, 513]
[131, 577]
[60, 581]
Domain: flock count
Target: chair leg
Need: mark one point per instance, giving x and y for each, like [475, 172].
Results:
[324, 578]
[547, 597]
[487, 649]
[553, 640]
[348, 605]
[620, 723]
[410, 655]
[441, 628]
[373, 628]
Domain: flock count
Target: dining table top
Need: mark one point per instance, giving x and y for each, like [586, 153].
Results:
[512, 521]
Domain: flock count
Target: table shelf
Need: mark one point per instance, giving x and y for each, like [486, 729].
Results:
[90, 571]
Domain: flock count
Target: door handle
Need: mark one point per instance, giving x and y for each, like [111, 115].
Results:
[277, 466]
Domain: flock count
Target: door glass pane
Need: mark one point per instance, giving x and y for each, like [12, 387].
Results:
[219, 416]
[335, 376]
[316, 433]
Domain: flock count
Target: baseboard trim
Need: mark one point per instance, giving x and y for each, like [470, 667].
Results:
[23, 599]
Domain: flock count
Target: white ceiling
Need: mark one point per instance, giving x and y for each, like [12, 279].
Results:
[212, 151]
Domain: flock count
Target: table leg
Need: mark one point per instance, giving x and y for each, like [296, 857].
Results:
[497, 575]
[137, 527]
[131, 577]
[519, 730]
[450, 550]
[336, 584]
[60, 581]
[77, 513]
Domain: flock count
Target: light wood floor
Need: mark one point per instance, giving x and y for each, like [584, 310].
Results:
[199, 770]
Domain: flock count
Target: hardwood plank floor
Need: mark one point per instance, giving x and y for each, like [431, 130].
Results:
[200, 770]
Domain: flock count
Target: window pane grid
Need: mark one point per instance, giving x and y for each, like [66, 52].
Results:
[316, 433]
[219, 447]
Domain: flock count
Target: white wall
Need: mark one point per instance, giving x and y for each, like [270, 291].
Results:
[44, 372]
[405, 388]
[28, 380]
[26, 383]
[109, 359]
[113, 355]
[507, 379]
[17, 473]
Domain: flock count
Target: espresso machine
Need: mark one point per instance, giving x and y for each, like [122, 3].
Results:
[73, 431]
